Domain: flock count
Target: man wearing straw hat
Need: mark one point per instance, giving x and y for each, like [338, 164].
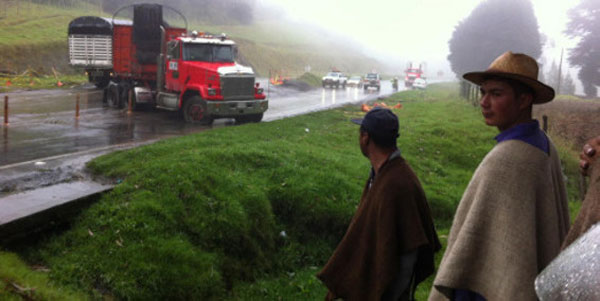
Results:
[513, 216]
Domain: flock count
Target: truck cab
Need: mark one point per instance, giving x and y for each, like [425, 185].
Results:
[201, 68]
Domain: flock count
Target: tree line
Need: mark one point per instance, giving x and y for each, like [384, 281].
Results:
[496, 26]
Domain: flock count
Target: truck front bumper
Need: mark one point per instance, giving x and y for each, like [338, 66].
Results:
[229, 108]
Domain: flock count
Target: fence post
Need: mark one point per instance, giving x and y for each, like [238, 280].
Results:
[77, 107]
[6, 110]
[545, 119]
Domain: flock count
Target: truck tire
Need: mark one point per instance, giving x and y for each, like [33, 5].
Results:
[195, 111]
[112, 96]
[99, 81]
[102, 83]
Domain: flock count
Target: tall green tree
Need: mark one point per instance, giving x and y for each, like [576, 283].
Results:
[492, 28]
[584, 24]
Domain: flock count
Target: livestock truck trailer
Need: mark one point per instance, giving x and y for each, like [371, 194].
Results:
[164, 66]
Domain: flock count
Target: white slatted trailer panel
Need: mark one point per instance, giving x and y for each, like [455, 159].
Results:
[90, 51]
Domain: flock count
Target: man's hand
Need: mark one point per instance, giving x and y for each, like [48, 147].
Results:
[589, 154]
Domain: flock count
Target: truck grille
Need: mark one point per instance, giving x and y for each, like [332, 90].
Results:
[90, 50]
[237, 87]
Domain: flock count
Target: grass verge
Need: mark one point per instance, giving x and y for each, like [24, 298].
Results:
[253, 211]
[20, 282]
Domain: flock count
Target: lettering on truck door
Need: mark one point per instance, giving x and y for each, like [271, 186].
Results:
[172, 77]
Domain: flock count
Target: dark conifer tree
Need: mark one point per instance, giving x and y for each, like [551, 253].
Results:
[584, 24]
[492, 28]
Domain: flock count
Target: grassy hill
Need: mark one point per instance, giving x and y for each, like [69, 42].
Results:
[35, 36]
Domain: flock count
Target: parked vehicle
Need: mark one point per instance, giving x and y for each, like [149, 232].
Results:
[412, 73]
[334, 79]
[355, 81]
[165, 67]
[372, 80]
[419, 83]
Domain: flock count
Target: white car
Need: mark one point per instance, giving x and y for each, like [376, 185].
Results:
[355, 81]
[334, 79]
[419, 83]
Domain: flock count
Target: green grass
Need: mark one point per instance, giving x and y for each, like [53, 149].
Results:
[29, 82]
[203, 216]
[20, 282]
[310, 79]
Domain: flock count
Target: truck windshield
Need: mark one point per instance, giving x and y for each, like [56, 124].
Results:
[208, 53]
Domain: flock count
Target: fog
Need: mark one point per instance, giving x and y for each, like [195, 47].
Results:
[418, 31]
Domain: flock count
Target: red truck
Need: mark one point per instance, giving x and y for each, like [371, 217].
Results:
[412, 73]
[165, 67]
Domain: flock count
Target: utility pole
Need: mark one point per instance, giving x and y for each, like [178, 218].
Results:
[560, 72]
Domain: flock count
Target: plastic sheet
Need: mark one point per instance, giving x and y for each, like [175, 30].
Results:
[575, 273]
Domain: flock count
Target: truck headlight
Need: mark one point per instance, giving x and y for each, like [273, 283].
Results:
[260, 91]
[212, 91]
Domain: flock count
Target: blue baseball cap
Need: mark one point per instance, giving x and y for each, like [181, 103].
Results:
[380, 122]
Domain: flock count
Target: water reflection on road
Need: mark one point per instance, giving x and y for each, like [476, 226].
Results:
[44, 124]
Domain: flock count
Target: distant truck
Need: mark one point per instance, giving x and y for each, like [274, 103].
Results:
[372, 80]
[165, 67]
[334, 79]
[412, 73]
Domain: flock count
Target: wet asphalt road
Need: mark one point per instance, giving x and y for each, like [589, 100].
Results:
[42, 124]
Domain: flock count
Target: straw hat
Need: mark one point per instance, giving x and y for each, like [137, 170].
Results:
[517, 66]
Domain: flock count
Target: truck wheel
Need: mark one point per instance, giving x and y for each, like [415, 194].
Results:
[101, 83]
[112, 96]
[195, 111]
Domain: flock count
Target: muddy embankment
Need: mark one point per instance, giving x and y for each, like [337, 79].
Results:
[575, 121]
[41, 58]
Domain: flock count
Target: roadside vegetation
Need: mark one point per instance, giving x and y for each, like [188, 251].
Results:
[311, 79]
[18, 281]
[253, 212]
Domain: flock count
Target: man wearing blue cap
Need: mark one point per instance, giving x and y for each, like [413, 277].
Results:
[389, 245]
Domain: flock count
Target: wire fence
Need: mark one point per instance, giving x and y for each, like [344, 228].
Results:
[470, 92]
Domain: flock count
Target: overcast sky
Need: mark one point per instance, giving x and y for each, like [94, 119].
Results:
[416, 30]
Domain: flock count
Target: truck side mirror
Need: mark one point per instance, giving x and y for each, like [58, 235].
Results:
[235, 52]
